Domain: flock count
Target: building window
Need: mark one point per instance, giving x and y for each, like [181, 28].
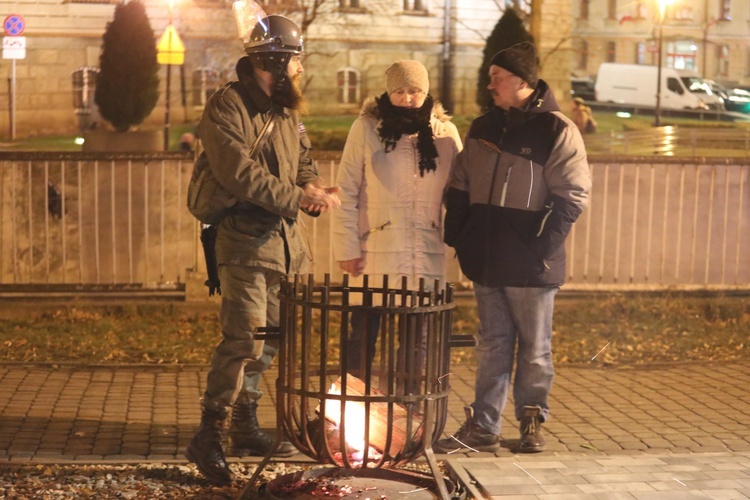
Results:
[611, 9]
[722, 60]
[679, 11]
[582, 54]
[725, 13]
[350, 4]
[206, 81]
[584, 9]
[681, 55]
[347, 84]
[84, 86]
[523, 7]
[610, 52]
[640, 53]
[747, 63]
[417, 6]
[640, 9]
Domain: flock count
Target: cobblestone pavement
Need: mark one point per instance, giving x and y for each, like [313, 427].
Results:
[665, 431]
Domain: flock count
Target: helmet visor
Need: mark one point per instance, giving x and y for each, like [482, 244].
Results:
[247, 14]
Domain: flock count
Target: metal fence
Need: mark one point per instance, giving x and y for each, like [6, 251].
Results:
[93, 220]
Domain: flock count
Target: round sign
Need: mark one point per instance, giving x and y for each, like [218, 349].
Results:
[14, 25]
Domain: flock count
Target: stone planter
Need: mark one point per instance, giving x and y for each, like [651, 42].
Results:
[123, 142]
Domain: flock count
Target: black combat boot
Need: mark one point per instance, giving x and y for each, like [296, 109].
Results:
[245, 435]
[205, 449]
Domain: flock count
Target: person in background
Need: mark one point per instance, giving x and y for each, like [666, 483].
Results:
[392, 175]
[261, 240]
[514, 193]
[187, 141]
[583, 117]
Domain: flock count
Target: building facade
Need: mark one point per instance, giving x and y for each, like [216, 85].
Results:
[710, 37]
[349, 44]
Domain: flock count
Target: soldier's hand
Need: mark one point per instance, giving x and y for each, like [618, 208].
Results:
[316, 199]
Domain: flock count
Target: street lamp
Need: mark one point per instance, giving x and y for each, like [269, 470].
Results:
[657, 113]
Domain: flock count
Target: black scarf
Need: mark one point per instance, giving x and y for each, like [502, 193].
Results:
[397, 121]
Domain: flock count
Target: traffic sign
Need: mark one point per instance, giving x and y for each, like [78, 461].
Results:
[14, 25]
[14, 47]
[170, 49]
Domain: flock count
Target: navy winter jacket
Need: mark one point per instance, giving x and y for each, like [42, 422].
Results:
[520, 182]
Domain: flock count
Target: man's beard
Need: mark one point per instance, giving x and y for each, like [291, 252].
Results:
[289, 94]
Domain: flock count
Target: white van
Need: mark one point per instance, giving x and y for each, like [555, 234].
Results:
[635, 84]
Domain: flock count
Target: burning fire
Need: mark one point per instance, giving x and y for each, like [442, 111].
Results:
[384, 420]
[354, 419]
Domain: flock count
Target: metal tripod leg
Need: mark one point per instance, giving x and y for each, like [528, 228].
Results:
[429, 454]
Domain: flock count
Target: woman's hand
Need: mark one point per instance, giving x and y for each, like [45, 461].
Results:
[353, 266]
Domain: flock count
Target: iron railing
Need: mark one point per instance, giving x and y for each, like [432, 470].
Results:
[82, 219]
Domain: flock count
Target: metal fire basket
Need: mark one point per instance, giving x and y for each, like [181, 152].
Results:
[378, 414]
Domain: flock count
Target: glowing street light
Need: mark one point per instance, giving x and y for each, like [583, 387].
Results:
[662, 8]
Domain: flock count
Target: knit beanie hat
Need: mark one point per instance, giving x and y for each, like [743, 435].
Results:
[521, 60]
[407, 73]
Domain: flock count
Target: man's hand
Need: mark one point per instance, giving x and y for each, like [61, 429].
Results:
[353, 267]
[318, 199]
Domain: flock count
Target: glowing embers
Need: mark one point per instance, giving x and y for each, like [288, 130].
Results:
[371, 421]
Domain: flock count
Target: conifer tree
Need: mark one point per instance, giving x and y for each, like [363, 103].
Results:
[127, 87]
[508, 31]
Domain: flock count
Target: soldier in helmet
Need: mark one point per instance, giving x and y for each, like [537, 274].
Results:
[268, 169]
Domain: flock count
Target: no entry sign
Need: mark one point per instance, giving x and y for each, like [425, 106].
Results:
[14, 25]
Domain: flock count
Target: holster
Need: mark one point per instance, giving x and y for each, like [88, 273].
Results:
[208, 239]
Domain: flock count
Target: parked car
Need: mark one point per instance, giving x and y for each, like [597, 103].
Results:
[705, 89]
[583, 88]
[734, 99]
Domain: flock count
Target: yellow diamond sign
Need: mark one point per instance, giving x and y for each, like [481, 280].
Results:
[170, 49]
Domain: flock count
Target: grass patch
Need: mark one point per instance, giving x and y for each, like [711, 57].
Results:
[612, 329]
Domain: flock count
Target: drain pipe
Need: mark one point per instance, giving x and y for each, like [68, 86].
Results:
[447, 84]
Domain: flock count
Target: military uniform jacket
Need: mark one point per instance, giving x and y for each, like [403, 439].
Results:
[265, 218]
[515, 190]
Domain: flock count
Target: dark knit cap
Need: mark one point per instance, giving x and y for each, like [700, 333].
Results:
[521, 60]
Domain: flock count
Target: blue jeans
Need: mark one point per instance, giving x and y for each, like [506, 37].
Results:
[510, 316]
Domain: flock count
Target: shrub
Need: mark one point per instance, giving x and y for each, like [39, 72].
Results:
[508, 31]
[128, 83]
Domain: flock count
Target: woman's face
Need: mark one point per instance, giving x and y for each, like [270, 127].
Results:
[408, 97]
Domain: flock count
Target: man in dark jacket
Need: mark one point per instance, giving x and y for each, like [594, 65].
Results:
[520, 182]
[261, 239]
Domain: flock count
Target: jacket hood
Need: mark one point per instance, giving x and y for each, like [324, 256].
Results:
[370, 108]
[246, 76]
[542, 101]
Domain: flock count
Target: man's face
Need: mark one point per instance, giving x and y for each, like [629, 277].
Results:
[504, 87]
[294, 68]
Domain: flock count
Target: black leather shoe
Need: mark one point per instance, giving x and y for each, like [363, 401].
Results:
[469, 437]
[532, 438]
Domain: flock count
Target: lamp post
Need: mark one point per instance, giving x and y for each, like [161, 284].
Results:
[657, 112]
[170, 50]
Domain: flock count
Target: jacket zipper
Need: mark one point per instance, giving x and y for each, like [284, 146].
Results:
[505, 186]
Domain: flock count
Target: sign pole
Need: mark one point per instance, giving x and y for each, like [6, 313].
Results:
[166, 110]
[13, 100]
[170, 50]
